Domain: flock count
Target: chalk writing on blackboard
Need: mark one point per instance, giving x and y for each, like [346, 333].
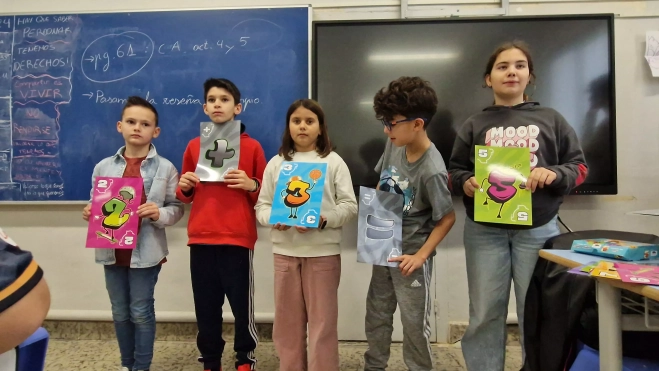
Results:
[62, 83]
[115, 57]
[6, 24]
[41, 81]
[7, 187]
[42, 89]
[259, 27]
[99, 97]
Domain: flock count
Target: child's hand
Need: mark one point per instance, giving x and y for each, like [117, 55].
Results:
[302, 229]
[408, 263]
[305, 229]
[539, 178]
[239, 179]
[149, 210]
[188, 181]
[281, 227]
[86, 212]
[470, 186]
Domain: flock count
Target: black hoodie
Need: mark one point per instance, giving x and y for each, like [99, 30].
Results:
[552, 141]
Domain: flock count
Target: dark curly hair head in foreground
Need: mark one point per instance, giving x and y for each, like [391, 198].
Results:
[406, 96]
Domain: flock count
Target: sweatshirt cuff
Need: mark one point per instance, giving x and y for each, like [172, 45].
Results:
[183, 197]
[458, 183]
[558, 182]
[158, 223]
[264, 217]
[331, 220]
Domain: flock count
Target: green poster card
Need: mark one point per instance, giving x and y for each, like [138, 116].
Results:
[502, 196]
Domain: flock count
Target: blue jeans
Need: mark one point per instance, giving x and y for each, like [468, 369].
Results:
[131, 296]
[494, 257]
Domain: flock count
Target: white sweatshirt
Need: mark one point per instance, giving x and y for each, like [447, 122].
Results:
[338, 207]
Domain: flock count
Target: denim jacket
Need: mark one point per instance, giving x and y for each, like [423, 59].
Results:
[160, 181]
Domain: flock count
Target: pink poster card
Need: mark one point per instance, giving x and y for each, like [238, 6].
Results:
[113, 221]
[637, 273]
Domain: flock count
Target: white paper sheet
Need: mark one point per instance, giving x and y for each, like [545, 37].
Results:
[652, 51]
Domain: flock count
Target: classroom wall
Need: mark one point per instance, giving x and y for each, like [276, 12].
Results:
[55, 234]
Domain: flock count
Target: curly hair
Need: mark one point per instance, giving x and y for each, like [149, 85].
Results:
[406, 96]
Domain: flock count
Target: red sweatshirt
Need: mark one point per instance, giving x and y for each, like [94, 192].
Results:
[221, 215]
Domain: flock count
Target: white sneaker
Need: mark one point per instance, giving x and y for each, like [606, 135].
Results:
[125, 369]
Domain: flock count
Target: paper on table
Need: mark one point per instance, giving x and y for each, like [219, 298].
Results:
[652, 51]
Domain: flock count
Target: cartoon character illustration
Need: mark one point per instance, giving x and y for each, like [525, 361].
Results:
[391, 182]
[116, 213]
[501, 189]
[296, 193]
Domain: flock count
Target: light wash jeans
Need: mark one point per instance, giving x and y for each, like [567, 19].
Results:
[494, 257]
[131, 296]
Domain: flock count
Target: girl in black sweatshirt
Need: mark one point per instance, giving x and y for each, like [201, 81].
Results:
[497, 253]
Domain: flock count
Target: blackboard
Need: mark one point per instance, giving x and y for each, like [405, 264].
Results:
[64, 79]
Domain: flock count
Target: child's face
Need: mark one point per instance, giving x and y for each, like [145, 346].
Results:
[138, 126]
[220, 106]
[305, 129]
[510, 74]
[403, 130]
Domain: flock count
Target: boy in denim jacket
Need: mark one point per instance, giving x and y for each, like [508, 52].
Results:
[131, 275]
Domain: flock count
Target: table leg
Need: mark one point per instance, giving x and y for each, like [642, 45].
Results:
[610, 327]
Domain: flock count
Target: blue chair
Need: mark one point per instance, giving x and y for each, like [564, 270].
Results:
[588, 359]
[32, 352]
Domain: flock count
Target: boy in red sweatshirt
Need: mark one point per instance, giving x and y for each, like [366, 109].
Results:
[222, 234]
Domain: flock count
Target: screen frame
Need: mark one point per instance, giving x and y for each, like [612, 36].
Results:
[584, 189]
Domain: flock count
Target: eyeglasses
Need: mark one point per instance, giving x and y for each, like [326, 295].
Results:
[390, 125]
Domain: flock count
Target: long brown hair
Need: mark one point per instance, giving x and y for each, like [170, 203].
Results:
[323, 145]
[516, 44]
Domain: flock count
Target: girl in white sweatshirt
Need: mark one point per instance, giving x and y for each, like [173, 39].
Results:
[308, 260]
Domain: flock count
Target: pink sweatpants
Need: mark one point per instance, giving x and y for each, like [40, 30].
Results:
[306, 293]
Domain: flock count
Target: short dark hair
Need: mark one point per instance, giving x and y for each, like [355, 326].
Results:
[134, 100]
[323, 144]
[406, 96]
[516, 44]
[222, 84]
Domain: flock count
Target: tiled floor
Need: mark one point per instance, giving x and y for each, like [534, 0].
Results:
[64, 355]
